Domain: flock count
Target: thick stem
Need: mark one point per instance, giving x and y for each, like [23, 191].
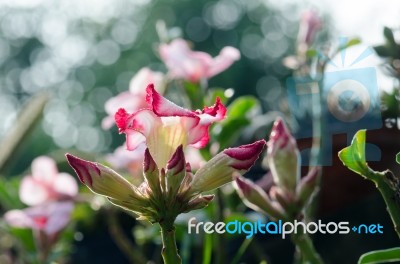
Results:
[169, 251]
[389, 195]
[305, 246]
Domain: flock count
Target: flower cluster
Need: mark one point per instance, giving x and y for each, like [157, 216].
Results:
[169, 186]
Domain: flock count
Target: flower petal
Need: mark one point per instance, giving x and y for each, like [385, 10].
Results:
[44, 169]
[65, 185]
[183, 62]
[49, 217]
[218, 171]
[224, 60]
[59, 214]
[162, 106]
[18, 219]
[33, 192]
[130, 102]
[143, 77]
[102, 180]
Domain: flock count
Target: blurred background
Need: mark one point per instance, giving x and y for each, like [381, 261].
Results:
[65, 59]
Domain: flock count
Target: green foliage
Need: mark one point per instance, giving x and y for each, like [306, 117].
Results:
[353, 156]
[9, 193]
[239, 115]
[380, 256]
[398, 157]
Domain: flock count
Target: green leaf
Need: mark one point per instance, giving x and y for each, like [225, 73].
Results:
[350, 43]
[194, 94]
[398, 157]
[382, 51]
[9, 193]
[25, 237]
[388, 33]
[241, 106]
[213, 93]
[353, 156]
[239, 116]
[380, 256]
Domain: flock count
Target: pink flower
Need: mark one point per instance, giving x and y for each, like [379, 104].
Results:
[134, 99]
[46, 183]
[131, 161]
[310, 23]
[190, 65]
[164, 126]
[49, 217]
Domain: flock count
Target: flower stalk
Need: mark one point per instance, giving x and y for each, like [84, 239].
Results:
[169, 251]
[305, 246]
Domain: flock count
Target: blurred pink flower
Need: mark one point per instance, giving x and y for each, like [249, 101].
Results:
[46, 183]
[310, 23]
[132, 161]
[190, 65]
[134, 99]
[164, 126]
[48, 217]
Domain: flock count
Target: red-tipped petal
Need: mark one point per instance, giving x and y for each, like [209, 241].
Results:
[177, 161]
[246, 155]
[162, 106]
[148, 163]
[279, 132]
[220, 169]
[84, 169]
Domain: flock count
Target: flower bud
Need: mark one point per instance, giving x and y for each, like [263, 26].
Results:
[219, 170]
[283, 157]
[151, 174]
[103, 180]
[255, 198]
[176, 170]
[198, 202]
[307, 186]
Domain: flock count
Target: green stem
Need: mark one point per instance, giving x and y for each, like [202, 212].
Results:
[305, 246]
[169, 251]
[388, 195]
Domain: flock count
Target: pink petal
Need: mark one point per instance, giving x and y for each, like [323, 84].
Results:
[44, 169]
[183, 62]
[224, 60]
[18, 218]
[59, 215]
[245, 156]
[49, 217]
[199, 135]
[130, 102]
[162, 106]
[33, 191]
[143, 78]
[136, 126]
[125, 159]
[65, 185]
